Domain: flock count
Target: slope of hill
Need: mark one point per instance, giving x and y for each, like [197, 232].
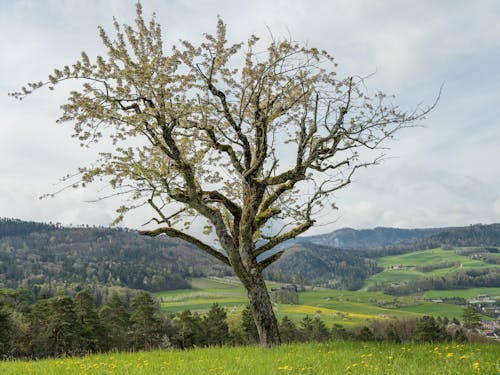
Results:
[348, 238]
[309, 263]
[472, 235]
[46, 256]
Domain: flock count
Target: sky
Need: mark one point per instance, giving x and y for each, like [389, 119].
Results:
[444, 173]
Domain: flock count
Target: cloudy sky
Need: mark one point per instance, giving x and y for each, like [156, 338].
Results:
[445, 173]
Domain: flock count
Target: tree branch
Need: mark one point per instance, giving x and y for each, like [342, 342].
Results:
[285, 236]
[186, 237]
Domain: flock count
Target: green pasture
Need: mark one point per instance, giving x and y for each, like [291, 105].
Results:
[420, 258]
[462, 293]
[349, 308]
[336, 357]
[436, 309]
[428, 257]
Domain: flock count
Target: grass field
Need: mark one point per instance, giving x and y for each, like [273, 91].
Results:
[327, 358]
[462, 293]
[420, 258]
[349, 308]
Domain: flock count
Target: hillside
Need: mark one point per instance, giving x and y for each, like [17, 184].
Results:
[42, 256]
[348, 238]
[313, 264]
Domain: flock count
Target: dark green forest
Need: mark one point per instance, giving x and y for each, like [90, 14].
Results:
[42, 257]
[309, 263]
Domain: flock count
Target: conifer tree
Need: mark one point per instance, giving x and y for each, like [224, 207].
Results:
[288, 331]
[145, 322]
[115, 318]
[471, 318]
[63, 326]
[91, 335]
[215, 326]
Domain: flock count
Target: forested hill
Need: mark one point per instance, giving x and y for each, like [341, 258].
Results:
[380, 237]
[45, 256]
[348, 238]
[309, 263]
[36, 256]
[472, 235]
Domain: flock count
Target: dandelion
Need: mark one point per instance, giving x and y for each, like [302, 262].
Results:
[449, 355]
[464, 356]
[284, 368]
[476, 367]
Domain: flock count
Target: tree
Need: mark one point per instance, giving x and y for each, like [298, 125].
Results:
[255, 150]
[5, 329]
[471, 318]
[91, 335]
[115, 317]
[428, 330]
[288, 330]
[63, 327]
[145, 322]
[189, 330]
[215, 326]
[248, 325]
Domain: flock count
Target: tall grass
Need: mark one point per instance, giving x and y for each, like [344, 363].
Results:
[326, 358]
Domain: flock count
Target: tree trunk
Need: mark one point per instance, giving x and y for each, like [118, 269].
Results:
[262, 311]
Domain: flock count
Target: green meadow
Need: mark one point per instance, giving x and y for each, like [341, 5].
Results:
[325, 358]
[349, 308]
[408, 262]
[462, 293]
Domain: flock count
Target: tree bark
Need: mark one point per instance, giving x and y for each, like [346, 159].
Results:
[262, 311]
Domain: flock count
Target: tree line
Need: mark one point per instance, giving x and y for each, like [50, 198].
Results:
[73, 325]
[42, 257]
[461, 279]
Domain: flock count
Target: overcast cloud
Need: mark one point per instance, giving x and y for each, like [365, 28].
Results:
[446, 173]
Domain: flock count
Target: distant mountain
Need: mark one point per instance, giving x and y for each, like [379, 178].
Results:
[472, 235]
[348, 238]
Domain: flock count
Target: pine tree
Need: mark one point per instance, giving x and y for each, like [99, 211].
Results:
[91, 337]
[40, 345]
[146, 327]
[319, 330]
[190, 330]
[63, 325]
[471, 318]
[215, 324]
[116, 320]
[306, 328]
[428, 330]
[288, 331]
[5, 329]
[248, 325]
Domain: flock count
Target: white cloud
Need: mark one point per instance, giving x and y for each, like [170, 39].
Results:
[496, 207]
[443, 174]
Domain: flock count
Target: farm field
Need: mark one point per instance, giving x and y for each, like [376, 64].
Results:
[349, 308]
[462, 293]
[400, 268]
[326, 358]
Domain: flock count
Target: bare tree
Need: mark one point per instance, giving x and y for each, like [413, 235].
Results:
[252, 142]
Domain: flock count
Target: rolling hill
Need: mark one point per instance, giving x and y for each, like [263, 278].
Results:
[42, 256]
